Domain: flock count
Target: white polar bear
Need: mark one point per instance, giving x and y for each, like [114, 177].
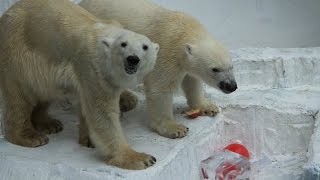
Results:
[188, 56]
[50, 46]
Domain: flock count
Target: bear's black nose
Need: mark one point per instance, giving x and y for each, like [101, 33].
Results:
[228, 87]
[133, 60]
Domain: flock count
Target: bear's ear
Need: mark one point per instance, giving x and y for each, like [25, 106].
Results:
[189, 49]
[108, 42]
[156, 46]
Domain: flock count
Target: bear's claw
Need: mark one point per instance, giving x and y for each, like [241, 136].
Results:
[172, 130]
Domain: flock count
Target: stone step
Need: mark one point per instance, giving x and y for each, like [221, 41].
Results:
[312, 168]
[266, 68]
[271, 122]
[63, 158]
[275, 123]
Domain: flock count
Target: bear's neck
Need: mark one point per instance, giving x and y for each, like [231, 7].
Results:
[84, 42]
[72, 43]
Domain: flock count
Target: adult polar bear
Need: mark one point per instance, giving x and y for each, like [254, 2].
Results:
[188, 55]
[48, 46]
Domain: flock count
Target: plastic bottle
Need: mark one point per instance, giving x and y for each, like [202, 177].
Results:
[230, 164]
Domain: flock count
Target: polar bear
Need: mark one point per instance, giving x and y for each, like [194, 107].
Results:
[189, 55]
[48, 47]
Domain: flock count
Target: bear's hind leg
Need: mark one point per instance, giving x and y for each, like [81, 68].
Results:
[18, 127]
[42, 122]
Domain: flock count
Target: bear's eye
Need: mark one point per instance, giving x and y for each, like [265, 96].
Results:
[124, 44]
[215, 70]
[145, 47]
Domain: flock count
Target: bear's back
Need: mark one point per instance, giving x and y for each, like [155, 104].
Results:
[143, 16]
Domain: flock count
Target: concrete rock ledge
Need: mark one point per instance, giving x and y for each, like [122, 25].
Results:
[265, 68]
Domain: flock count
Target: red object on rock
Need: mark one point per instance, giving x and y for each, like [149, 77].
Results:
[194, 113]
[239, 149]
[228, 164]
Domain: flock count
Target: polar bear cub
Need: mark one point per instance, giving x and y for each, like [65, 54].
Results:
[48, 47]
[189, 56]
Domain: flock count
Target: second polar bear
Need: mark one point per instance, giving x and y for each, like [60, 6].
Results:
[188, 56]
[48, 47]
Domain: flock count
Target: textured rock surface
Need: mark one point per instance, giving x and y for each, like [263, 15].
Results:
[312, 168]
[266, 68]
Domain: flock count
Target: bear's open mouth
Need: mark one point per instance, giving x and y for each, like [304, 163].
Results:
[226, 91]
[131, 69]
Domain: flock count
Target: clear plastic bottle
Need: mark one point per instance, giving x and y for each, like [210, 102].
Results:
[230, 164]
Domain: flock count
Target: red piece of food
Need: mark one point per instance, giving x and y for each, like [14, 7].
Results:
[194, 113]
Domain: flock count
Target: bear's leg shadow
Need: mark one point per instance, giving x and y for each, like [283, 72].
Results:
[42, 122]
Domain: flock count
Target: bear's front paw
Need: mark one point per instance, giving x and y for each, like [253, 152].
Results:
[208, 109]
[28, 138]
[128, 101]
[132, 160]
[171, 130]
[85, 140]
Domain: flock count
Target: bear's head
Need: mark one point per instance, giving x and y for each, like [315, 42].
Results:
[132, 56]
[210, 61]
